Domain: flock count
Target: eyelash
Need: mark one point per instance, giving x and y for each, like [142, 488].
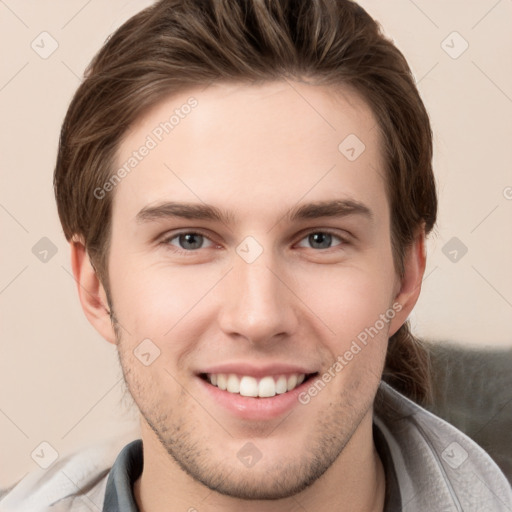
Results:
[183, 252]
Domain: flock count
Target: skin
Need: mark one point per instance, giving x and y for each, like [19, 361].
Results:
[256, 152]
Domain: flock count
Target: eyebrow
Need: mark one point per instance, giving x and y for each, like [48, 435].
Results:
[334, 208]
[195, 211]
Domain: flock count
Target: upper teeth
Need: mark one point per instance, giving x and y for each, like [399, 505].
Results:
[250, 386]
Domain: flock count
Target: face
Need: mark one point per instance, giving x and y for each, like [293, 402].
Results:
[251, 249]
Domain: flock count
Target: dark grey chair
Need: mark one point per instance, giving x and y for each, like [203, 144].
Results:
[473, 392]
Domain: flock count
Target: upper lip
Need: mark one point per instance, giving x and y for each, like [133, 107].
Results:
[252, 370]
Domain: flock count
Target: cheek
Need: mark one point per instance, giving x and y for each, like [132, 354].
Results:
[153, 301]
[347, 300]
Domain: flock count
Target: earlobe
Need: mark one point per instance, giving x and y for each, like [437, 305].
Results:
[91, 291]
[410, 284]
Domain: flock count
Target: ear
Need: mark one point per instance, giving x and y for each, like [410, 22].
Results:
[408, 288]
[91, 291]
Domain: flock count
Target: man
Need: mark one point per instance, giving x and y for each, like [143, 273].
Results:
[247, 188]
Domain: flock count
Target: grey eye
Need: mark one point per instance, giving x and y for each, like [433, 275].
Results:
[321, 240]
[189, 241]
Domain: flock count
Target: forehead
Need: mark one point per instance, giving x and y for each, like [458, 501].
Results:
[252, 146]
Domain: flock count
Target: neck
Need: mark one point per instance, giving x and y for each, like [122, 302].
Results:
[355, 482]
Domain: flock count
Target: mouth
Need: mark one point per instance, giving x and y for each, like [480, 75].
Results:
[267, 386]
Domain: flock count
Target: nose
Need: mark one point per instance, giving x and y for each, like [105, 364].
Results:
[257, 303]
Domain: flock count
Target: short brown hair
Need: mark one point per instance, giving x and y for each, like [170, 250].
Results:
[176, 44]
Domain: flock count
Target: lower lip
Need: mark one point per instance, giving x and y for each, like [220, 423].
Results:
[251, 408]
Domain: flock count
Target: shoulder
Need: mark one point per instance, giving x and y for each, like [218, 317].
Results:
[437, 465]
[74, 483]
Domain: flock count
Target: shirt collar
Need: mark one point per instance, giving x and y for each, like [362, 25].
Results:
[126, 470]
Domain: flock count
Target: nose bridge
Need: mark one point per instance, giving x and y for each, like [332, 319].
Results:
[257, 304]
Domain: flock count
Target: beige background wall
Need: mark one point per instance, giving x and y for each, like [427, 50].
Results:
[59, 381]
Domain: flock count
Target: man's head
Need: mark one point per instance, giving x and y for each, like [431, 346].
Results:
[261, 120]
